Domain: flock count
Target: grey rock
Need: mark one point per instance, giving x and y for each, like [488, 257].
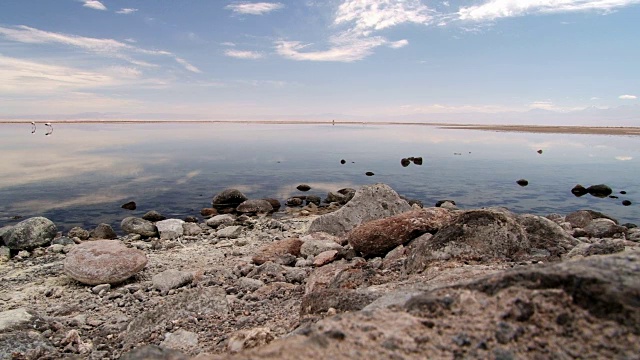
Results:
[313, 247]
[134, 225]
[295, 275]
[191, 229]
[170, 229]
[313, 199]
[4, 231]
[103, 231]
[369, 203]
[103, 262]
[579, 219]
[249, 284]
[78, 232]
[5, 254]
[171, 279]
[474, 235]
[268, 272]
[294, 201]
[153, 216]
[230, 232]
[218, 220]
[102, 288]
[602, 247]
[30, 233]
[601, 228]
[154, 352]
[229, 198]
[63, 240]
[17, 344]
[339, 299]
[180, 340]
[15, 318]
[258, 206]
[546, 234]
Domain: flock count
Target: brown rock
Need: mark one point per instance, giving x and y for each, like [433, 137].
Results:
[131, 205]
[208, 212]
[103, 262]
[277, 249]
[103, 231]
[579, 219]
[325, 257]
[275, 203]
[378, 237]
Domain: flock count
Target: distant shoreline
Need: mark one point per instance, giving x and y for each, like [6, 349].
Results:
[548, 129]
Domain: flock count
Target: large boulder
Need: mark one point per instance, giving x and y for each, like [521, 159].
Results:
[474, 235]
[228, 199]
[134, 225]
[378, 237]
[370, 202]
[544, 234]
[103, 262]
[29, 233]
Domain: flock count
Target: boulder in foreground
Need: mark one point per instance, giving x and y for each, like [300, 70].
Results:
[103, 262]
[29, 233]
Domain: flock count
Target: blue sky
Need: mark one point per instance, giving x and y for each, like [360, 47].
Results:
[306, 60]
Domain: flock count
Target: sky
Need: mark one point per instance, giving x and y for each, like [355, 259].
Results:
[533, 61]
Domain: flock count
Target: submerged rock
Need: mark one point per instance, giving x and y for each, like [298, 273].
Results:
[600, 190]
[303, 187]
[153, 216]
[229, 198]
[131, 205]
[579, 190]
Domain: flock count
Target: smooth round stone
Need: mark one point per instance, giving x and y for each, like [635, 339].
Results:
[103, 262]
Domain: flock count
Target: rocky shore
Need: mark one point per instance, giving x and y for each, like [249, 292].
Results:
[362, 274]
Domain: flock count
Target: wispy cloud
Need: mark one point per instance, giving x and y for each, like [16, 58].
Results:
[624, 158]
[228, 43]
[241, 54]
[495, 9]
[260, 8]
[627, 97]
[126, 11]
[362, 18]
[94, 4]
[105, 47]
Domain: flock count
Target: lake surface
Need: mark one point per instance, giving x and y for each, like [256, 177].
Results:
[81, 174]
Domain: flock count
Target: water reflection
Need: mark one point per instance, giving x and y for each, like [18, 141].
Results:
[82, 175]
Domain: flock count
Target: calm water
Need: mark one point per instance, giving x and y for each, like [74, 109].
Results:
[81, 173]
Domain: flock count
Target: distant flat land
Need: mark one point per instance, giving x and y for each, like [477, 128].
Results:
[560, 129]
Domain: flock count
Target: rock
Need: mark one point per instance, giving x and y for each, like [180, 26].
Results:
[601, 228]
[170, 229]
[303, 187]
[343, 161]
[417, 160]
[63, 240]
[208, 212]
[247, 339]
[275, 203]
[601, 190]
[153, 216]
[26, 345]
[276, 250]
[250, 285]
[103, 262]
[103, 231]
[626, 202]
[313, 199]
[339, 299]
[439, 203]
[369, 173]
[377, 237]
[131, 205]
[314, 245]
[154, 352]
[325, 257]
[230, 232]
[473, 235]
[180, 340]
[539, 151]
[294, 201]
[547, 235]
[30, 233]
[190, 219]
[268, 272]
[229, 198]
[602, 247]
[15, 318]
[78, 232]
[334, 197]
[405, 162]
[579, 190]
[101, 289]
[579, 219]
[142, 227]
[369, 203]
[255, 207]
[522, 182]
[5, 254]
[171, 279]
[191, 229]
[218, 220]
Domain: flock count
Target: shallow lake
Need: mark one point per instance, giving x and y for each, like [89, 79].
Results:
[80, 174]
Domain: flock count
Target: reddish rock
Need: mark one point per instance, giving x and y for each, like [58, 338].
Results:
[208, 212]
[325, 257]
[277, 249]
[103, 262]
[378, 237]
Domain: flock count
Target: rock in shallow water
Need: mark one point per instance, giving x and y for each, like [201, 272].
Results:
[103, 262]
[229, 198]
